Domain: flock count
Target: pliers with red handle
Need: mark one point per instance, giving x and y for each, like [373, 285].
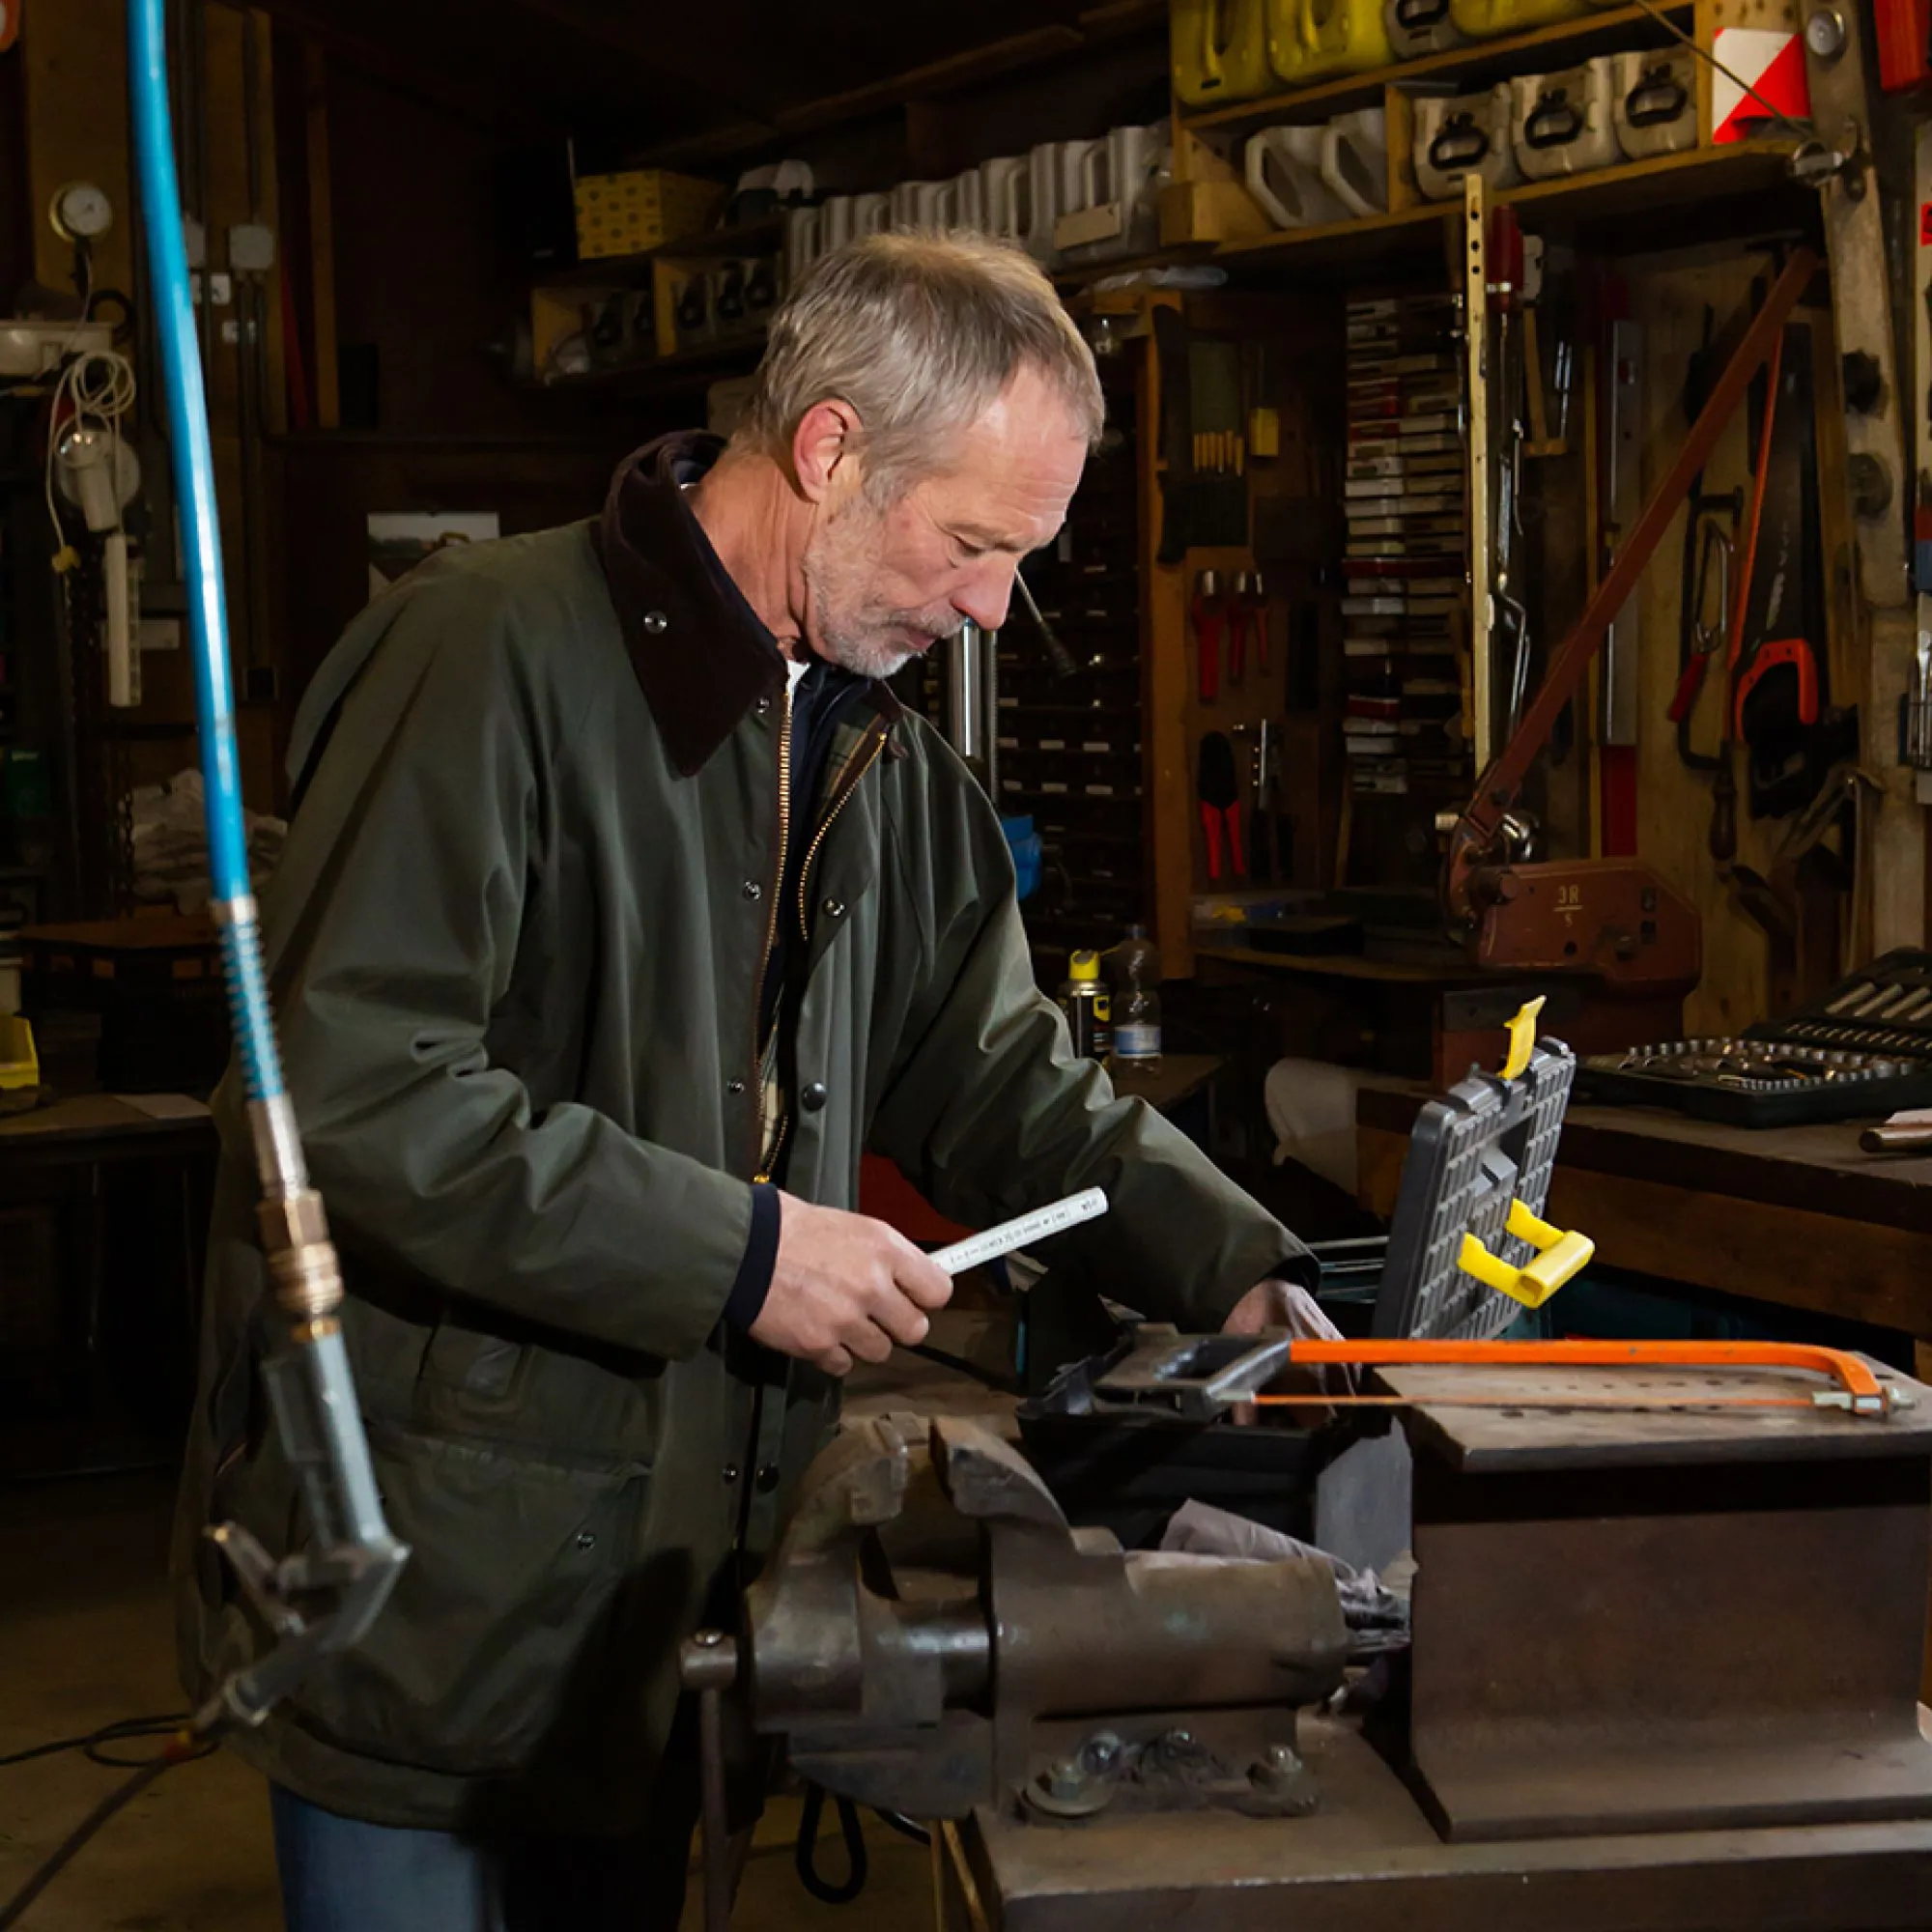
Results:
[1221, 790]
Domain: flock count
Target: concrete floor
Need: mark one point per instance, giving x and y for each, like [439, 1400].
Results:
[85, 1638]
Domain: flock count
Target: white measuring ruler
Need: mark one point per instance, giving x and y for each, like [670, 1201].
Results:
[1008, 1236]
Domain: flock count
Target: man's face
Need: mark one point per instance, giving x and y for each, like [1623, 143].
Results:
[883, 586]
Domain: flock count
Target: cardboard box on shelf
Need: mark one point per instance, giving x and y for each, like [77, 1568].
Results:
[643, 208]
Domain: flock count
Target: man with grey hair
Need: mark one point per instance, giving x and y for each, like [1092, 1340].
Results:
[622, 909]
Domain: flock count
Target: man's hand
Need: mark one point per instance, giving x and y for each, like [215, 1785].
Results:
[1287, 1304]
[1280, 1304]
[846, 1288]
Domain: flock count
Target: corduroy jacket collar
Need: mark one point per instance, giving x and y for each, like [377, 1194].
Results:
[700, 654]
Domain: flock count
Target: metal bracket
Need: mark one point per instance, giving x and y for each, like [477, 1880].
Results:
[1193, 1376]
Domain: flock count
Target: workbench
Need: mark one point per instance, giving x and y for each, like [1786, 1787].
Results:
[1794, 1215]
[1369, 1861]
[1427, 1017]
[103, 1223]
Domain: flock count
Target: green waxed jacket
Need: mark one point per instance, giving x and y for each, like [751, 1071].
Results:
[516, 944]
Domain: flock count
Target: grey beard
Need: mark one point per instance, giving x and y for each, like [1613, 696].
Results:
[864, 657]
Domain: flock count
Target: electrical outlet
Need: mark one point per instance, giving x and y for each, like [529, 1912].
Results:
[252, 249]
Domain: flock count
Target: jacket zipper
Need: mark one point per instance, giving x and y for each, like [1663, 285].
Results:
[771, 932]
[851, 784]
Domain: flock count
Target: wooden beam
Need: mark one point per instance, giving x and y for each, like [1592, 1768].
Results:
[967, 68]
[695, 65]
[324, 376]
[1119, 17]
[940, 76]
[501, 112]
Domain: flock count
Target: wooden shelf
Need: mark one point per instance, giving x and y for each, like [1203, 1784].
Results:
[1337, 965]
[663, 374]
[1633, 187]
[1033, 49]
[1600, 31]
[601, 272]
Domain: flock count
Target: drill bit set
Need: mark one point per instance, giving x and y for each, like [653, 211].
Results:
[1861, 1051]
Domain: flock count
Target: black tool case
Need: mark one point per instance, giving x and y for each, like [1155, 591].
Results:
[1861, 1051]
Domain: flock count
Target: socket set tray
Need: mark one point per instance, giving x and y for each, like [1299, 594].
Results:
[1861, 1051]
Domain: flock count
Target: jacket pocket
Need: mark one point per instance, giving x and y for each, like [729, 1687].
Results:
[502, 1617]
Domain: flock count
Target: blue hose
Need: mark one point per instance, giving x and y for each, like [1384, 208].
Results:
[323, 1596]
[194, 492]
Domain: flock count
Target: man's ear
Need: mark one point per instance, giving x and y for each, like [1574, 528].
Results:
[824, 447]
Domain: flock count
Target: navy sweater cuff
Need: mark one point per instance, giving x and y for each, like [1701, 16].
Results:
[747, 1301]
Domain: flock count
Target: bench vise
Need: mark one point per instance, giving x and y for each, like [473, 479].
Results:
[933, 1635]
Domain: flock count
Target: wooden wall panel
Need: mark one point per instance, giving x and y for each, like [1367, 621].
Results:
[333, 482]
[74, 56]
[1674, 804]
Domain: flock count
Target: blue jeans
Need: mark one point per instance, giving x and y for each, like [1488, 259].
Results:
[342, 1875]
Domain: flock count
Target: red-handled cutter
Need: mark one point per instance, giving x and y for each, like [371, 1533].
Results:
[1249, 619]
[1220, 790]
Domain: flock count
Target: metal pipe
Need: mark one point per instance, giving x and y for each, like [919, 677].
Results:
[708, 1665]
[991, 713]
[965, 694]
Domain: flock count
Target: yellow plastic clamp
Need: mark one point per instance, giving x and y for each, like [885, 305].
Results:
[1523, 1037]
[1559, 1258]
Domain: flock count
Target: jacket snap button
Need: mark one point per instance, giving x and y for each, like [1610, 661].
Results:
[834, 908]
[765, 704]
[734, 1087]
[656, 623]
[768, 1479]
[752, 890]
[812, 1098]
[587, 1540]
[730, 1472]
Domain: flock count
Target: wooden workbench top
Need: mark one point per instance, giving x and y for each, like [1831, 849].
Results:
[1794, 1215]
[102, 1115]
[1589, 1435]
[1818, 1168]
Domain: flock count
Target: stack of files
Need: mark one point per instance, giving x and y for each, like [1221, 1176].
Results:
[1404, 499]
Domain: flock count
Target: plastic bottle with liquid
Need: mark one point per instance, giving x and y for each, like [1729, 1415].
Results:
[1089, 1008]
[1136, 1006]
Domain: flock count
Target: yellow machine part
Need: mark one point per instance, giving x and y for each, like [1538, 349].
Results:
[1485, 19]
[1219, 50]
[20, 1063]
[1312, 39]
